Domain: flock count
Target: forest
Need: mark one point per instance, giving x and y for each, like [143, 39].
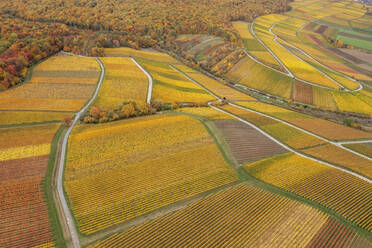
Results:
[35, 29]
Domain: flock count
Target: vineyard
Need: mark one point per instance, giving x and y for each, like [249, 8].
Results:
[142, 164]
[185, 123]
[245, 142]
[205, 112]
[363, 148]
[24, 156]
[326, 129]
[59, 86]
[214, 86]
[124, 81]
[172, 86]
[286, 134]
[254, 75]
[330, 187]
[241, 216]
[336, 155]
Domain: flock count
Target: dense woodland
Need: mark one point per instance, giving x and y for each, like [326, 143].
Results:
[34, 29]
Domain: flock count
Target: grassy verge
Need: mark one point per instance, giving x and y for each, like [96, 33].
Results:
[47, 189]
[30, 124]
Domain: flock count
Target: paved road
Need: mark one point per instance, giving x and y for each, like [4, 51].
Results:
[353, 142]
[66, 210]
[311, 57]
[192, 80]
[269, 50]
[276, 41]
[289, 74]
[149, 91]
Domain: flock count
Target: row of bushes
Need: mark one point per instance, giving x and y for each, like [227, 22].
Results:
[131, 109]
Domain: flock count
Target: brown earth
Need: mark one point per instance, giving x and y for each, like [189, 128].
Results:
[246, 143]
[303, 93]
[366, 57]
[346, 55]
[321, 29]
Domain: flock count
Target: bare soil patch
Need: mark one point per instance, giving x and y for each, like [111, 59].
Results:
[246, 143]
[303, 93]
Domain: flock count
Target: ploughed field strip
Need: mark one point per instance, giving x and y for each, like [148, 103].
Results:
[121, 170]
[346, 194]
[241, 216]
[24, 156]
[245, 142]
[303, 92]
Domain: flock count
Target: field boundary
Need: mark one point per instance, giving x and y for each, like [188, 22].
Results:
[149, 89]
[287, 147]
[60, 171]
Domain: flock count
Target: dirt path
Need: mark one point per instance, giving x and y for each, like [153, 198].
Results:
[149, 90]
[289, 73]
[61, 163]
[61, 216]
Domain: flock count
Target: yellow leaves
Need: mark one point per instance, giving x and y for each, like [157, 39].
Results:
[62, 83]
[69, 63]
[20, 117]
[119, 170]
[154, 56]
[243, 29]
[214, 86]
[291, 136]
[207, 112]
[350, 102]
[294, 167]
[45, 245]
[123, 81]
[24, 152]
[172, 86]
